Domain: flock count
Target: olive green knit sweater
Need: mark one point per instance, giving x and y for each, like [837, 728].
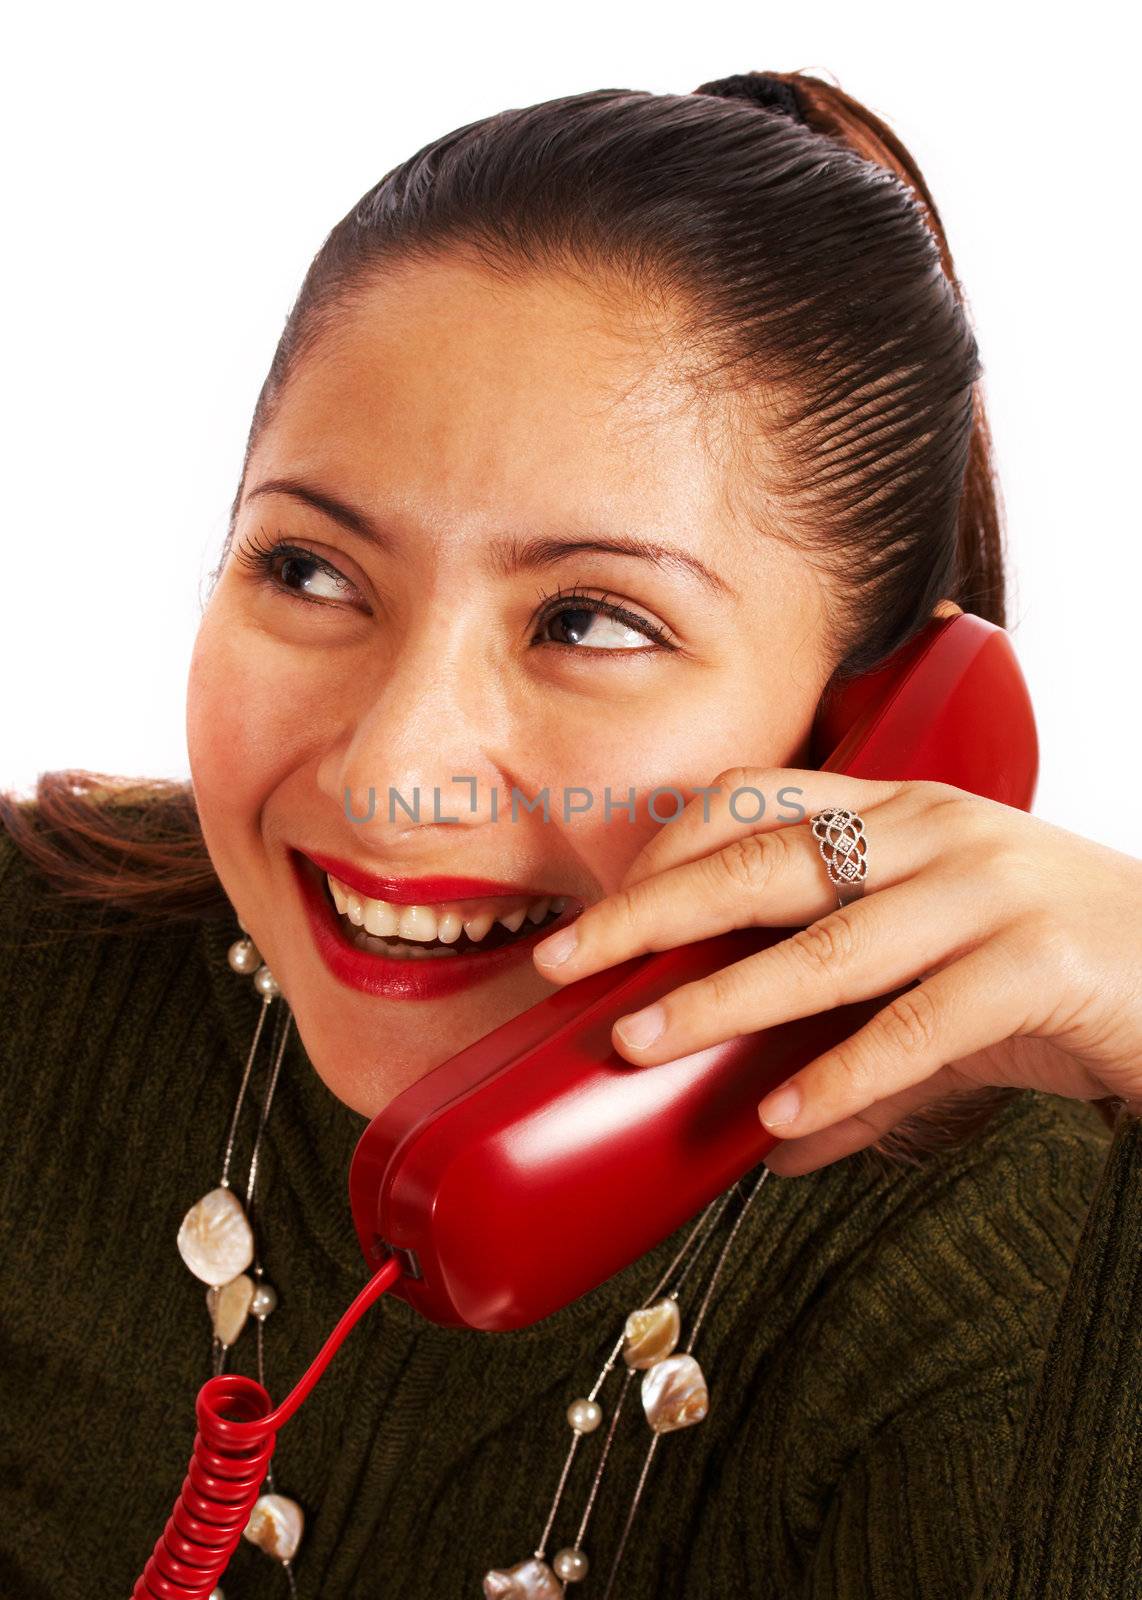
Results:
[924, 1383]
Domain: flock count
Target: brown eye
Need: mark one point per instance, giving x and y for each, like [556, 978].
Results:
[587, 622]
[292, 575]
[291, 570]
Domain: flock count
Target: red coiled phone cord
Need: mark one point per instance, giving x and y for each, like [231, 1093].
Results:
[237, 1432]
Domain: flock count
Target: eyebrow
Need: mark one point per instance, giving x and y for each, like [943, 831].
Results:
[508, 555]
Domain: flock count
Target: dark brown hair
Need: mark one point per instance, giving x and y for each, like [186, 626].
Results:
[800, 264]
[792, 244]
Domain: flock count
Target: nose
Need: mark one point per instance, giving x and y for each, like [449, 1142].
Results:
[412, 756]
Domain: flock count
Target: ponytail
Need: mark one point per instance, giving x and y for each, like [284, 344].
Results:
[980, 585]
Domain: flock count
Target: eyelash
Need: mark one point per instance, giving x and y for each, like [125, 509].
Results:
[562, 598]
[261, 557]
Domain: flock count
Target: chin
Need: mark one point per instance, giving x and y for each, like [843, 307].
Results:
[417, 1039]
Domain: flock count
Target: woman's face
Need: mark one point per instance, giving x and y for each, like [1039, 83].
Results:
[463, 471]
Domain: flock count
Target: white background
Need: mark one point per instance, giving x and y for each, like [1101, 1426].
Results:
[171, 174]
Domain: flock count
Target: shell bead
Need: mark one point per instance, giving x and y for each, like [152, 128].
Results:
[651, 1333]
[266, 984]
[527, 1580]
[275, 1526]
[584, 1415]
[570, 1565]
[243, 956]
[215, 1239]
[229, 1306]
[674, 1394]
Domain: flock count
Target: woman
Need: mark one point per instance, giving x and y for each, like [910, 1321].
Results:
[603, 436]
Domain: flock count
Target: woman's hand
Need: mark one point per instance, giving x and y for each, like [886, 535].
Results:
[1027, 939]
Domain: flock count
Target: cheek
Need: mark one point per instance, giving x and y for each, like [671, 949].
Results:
[680, 750]
[242, 728]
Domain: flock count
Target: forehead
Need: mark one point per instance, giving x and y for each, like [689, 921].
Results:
[447, 387]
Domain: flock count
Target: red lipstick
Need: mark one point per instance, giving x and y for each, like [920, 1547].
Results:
[417, 891]
[413, 978]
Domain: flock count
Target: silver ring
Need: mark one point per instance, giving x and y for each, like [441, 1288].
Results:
[843, 844]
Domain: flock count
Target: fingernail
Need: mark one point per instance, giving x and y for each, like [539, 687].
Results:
[781, 1107]
[560, 947]
[641, 1027]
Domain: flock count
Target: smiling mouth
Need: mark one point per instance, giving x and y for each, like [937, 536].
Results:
[468, 928]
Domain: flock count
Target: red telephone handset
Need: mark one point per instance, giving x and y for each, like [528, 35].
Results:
[538, 1162]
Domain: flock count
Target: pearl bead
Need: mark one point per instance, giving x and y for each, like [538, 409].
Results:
[570, 1565]
[264, 1301]
[584, 1415]
[243, 957]
[216, 1594]
[265, 983]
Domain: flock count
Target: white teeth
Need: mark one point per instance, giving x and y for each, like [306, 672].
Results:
[417, 922]
[430, 924]
[397, 952]
[476, 927]
[381, 919]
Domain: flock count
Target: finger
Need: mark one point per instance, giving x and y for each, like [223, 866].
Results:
[964, 1007]
[792, 1158]
[745, 800]
[865, 949]
[775, 878]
